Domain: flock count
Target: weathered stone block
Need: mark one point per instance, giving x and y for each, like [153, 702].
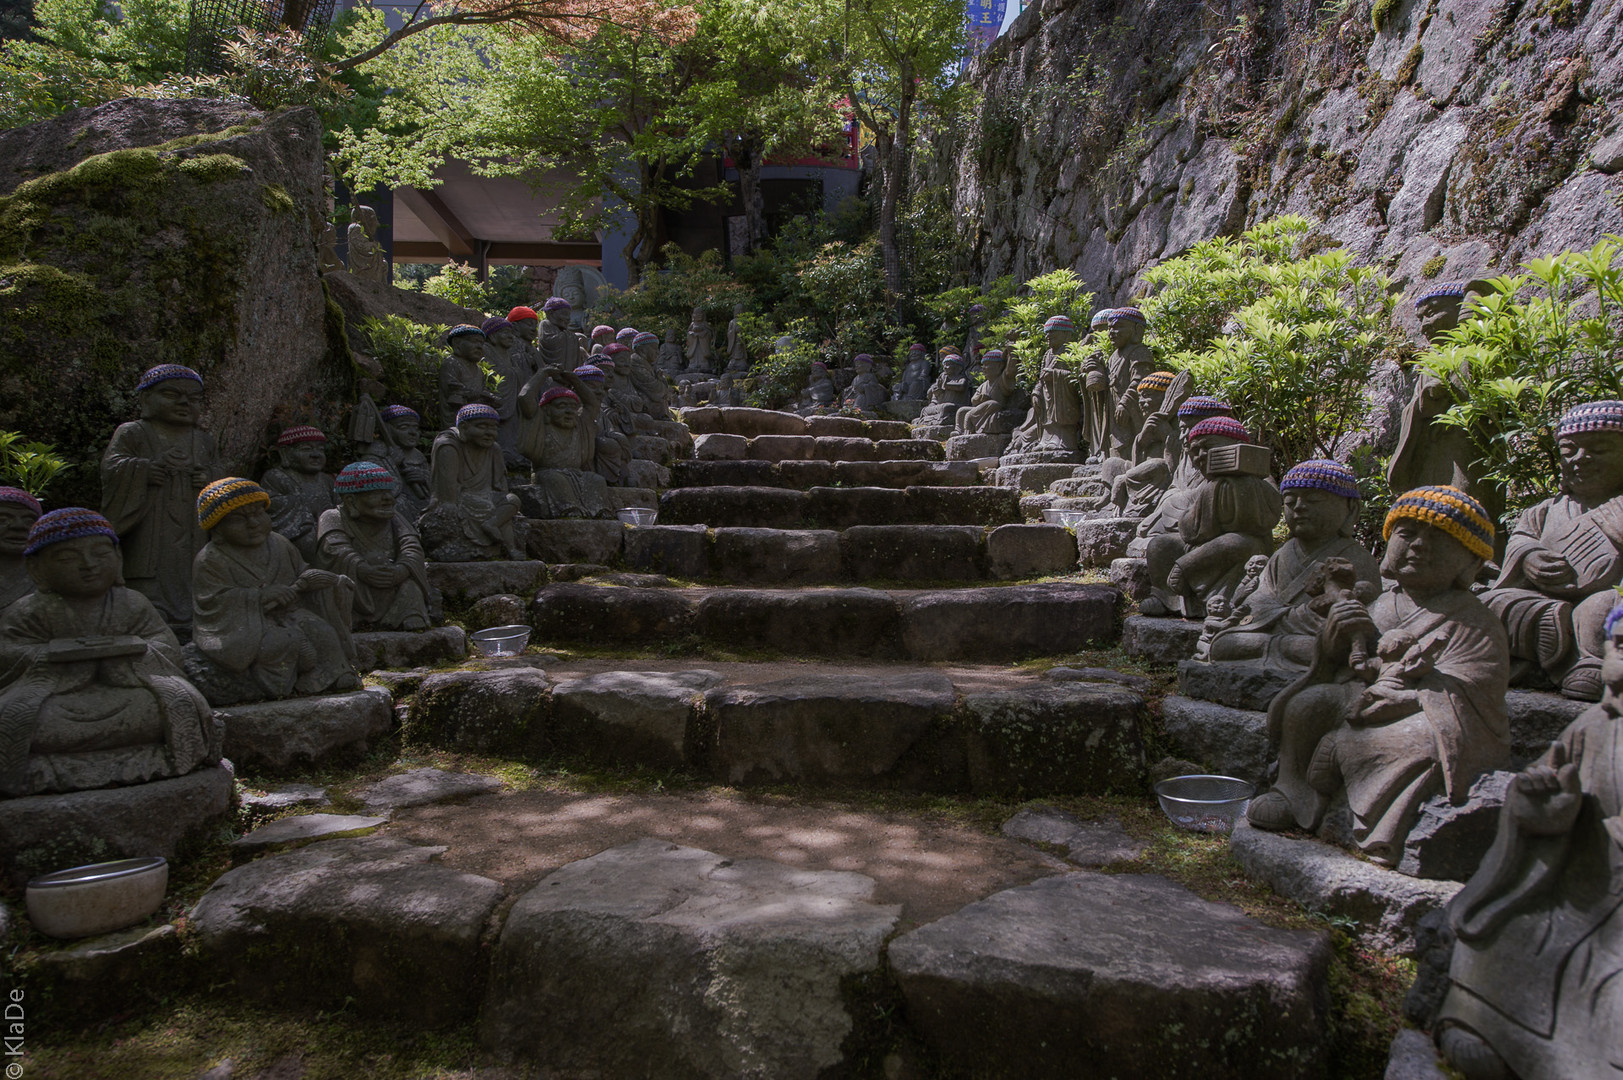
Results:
[885, 430]
[834, 448]
[970, 505]
[1536, 720]
[975, 447]
[718, 447]
[421, 787]
[1015, 552]
[567, 540]
[817, 622]
[913, 552]
[677, 550]
[1008, 622]
[1131, 576]
[904, 473]
[503, 710]
[1087, 843]
[1159, 640]
[1030, 477]
[1091, 975]
[407, 649]
[783, 447]
[463, 583]
[840, 508]
[711, 968]
[576, 614]
[843, 427]
[279, 735]
[503, 609]
[826, 729]
[1101, 541]
[304, 828]
[1229, 742]
[908, 449]
[703, 420]
[777, 556]
[1239, 685]
[1448, 842]
[1072, 739]
[631, 718]
[724, 474]
[805, 474]
[752, 423]
[372, 924]
[734, 507]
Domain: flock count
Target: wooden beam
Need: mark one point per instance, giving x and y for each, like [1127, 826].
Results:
[537, 253]
[445, 225]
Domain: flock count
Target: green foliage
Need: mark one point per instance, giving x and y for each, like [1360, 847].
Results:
[410, 354]
[665, 300]
[1058, 292]
[1381, 13]
[1538, 344]
[1298, 361]
[459, 283]
[781, 376]
[28, 465]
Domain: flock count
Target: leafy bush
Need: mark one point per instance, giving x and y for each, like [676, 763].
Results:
[28, 465]
[665, 298]
[459, 283]
[1534, 347]
[781, 376]
[410, 354]
[1058, 292]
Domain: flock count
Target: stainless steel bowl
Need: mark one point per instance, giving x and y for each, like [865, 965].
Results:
[98, 898]
[500, 640]
[1204, 802]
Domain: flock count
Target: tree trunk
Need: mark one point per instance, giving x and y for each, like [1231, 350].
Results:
[889, 196]
[747, 157]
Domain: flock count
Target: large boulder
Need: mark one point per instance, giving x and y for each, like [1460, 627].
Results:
[653, 959]
[143, 232]
[501, 710]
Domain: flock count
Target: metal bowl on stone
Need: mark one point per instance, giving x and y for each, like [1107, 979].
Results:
[1204, 803]
[1068, 518]
[500, 640]
[637, 515]
[98, 898]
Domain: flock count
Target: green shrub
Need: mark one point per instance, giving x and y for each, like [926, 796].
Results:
[410, 354]
[1058, 292]
[459, 283]
[28, 465]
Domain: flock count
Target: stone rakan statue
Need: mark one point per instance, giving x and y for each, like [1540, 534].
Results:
[738, 354]
[1564, 558]
[561, 443]
[1282, 618]
[997, 405]
[1229, 517]
[1169, 507]
[150, 476]
[1388, 745]
[367, 259]
[299, 486]
[397, 450]
[1130, 360]
[701, 346]
[365, 540]
[1054, 425]
[1137, 483]
[1097, 400]
[914, 384]
[948, 394]
[18, 512]
[509, 363]
[91, 689]
[461, 380]
[470, 515]
[1536, 980]
[866, 393]
[557, 343]
[268, 626]
[820, 393]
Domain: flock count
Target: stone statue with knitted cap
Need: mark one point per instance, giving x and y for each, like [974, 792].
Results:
[364, 539]
[1564, 558]
[557, 343]
[1387, 746]
[510, 364]
[268, 626]
[997, 405]
[866, 393]
[820, 394]
[1229, 517]
[18, 512]
[526, 324]
[92, 694]
[1168, 509]
[601, 337]
[299, 486]
[612, 447]
[150, 476]
[471, 515]
[949, 393]
[642, 367]
[561, 443]
[397, 450]
[914, 383]
[1054, 425]
[1137, 483]
[1114, 378]
[462, 382]
[1536, 978]
[1279, 622]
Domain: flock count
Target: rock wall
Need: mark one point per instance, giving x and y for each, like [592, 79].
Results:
[1462, 136]
[142, 232]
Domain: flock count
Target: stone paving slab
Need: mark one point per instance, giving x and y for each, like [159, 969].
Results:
[1086, 843]
[406, 649]
[306, 827]
[420, 787]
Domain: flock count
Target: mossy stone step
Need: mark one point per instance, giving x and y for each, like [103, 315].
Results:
[838, 507]
[809, 474]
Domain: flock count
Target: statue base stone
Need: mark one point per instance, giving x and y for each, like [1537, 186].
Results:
[1320, 877]
[407, 648]
[1132, 577]
[1085, 487]
[278, 735]
[1044, 457]
[1241, 685]
[1227, 741]
[1537, 718]
[1101, 541]
[1414, 1057]
[1030, 477]
[1449, 842]
[903, 410]
[972, 447]
[567, 540]
[42, 833]
[462, 583]
[939, 432]
[1159, 640]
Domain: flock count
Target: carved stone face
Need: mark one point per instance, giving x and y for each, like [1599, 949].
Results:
[1425, 559]
[559, 317]
[561, 412]
[1149, 401]
[504, 339]
[1124, 332]
[245, 527]
[698, 317]
[80, 569]
[1058, 338]
[15, 521]
[1202, 447]
[469, 347]
[1315, 516]
[307, 457]
[371, 505]
[528, 330]
[864, 367]
[173, 401]
[1592, 464]
[648, 350]
[480, 432]
[404, 432]
[1438, 316]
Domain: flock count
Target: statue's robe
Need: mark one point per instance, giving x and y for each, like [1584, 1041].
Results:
[1280, 627]
[297, 502]
[347, 544]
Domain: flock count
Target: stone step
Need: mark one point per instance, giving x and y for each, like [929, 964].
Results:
[809, 448]
[837, 507]
[809, 474]
[750, 423]
[996, 623]
[853, 724]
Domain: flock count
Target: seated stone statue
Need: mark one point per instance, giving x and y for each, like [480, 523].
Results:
[949, 393]
[1228, 519]
[670, 360]
[1536, 979]
[643, 368]
[914, 385]
[997, 405]
[558, 345]
[150, 476]
[1281, 620]
[1565, 557]
[299, 486]
[1389, 756]
[1054, 424]
[367, 542]
[561, 443]
[820, 394]
[1137, 483]
[461, 380]
[1167, 514]
[613, 447]
[18, 512]
[866, 393]
[601, 337]
[397, 450]
[91, 690]
[267, 626]
[470, 515]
